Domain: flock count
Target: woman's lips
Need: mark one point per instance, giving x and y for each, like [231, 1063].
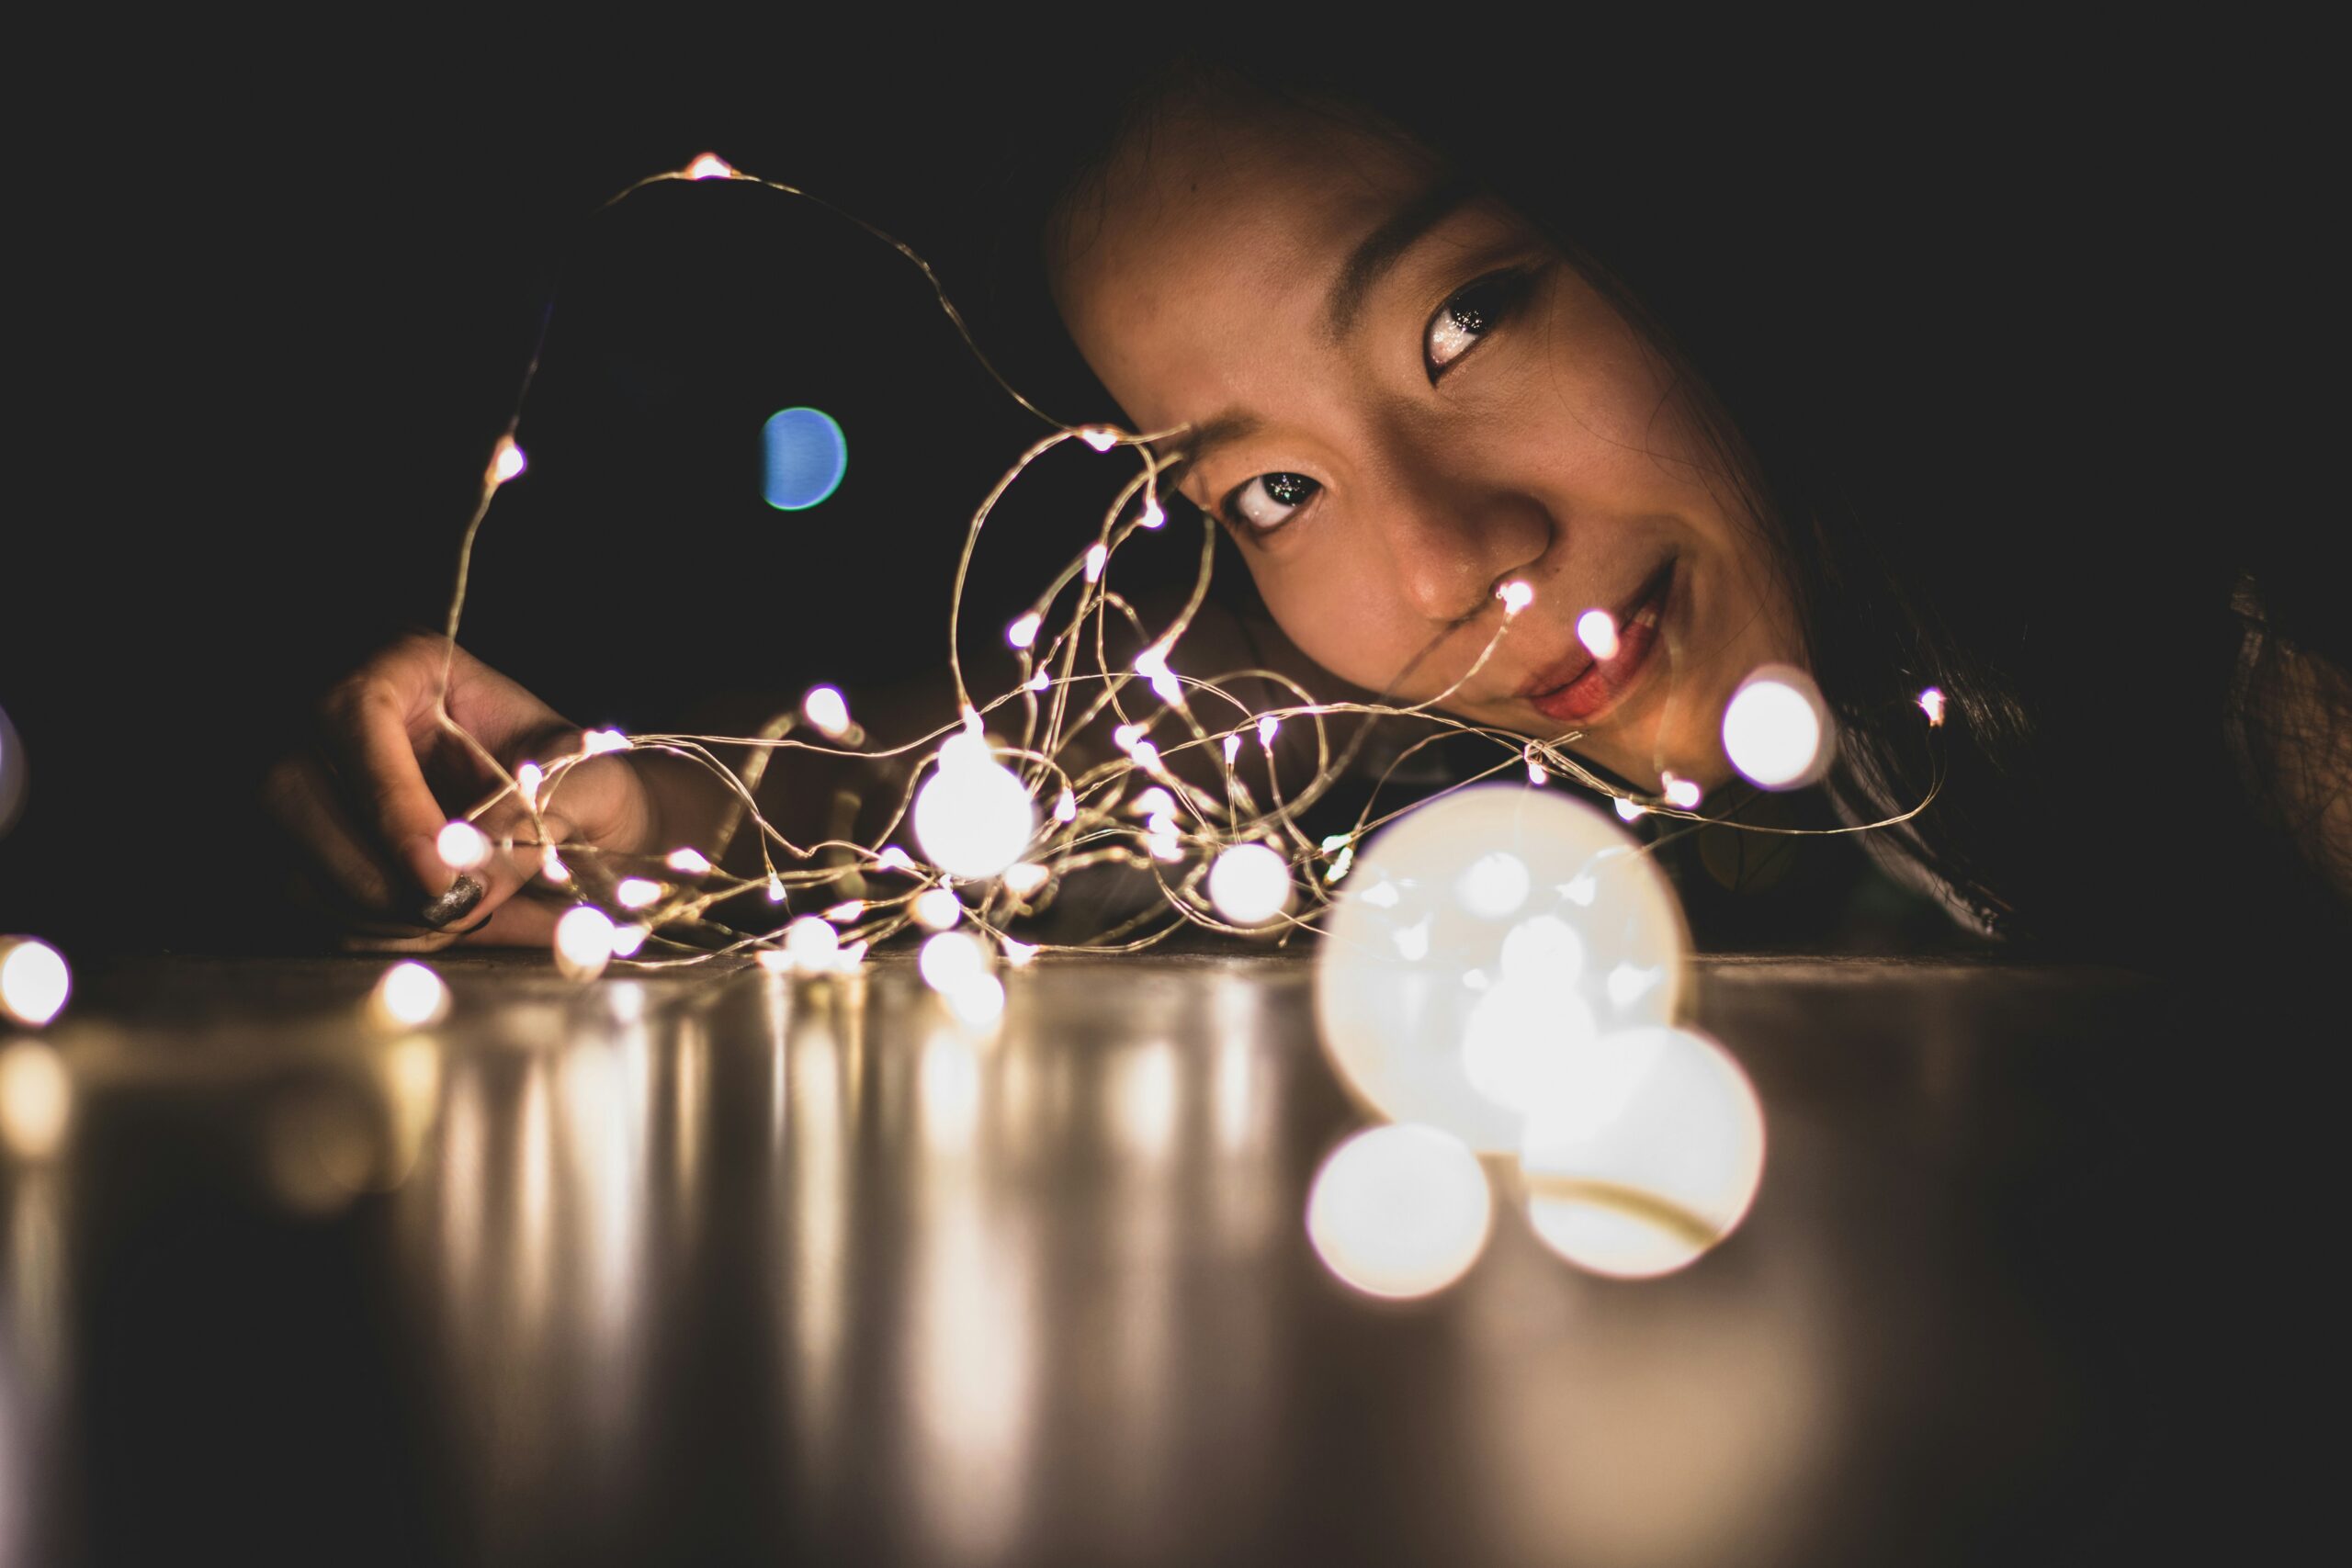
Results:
[1604, 681]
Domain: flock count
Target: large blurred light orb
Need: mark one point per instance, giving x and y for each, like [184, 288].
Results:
[408, 996]
[1474, 946]
[462, 846]
[1649, 1154]
[1777, 730]
[1399, 1211]
[583, 941]
[1249, 885]
[806, 457]
[974, 817]
[34, 981]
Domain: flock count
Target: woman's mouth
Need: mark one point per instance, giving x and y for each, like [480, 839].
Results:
[1598, 685]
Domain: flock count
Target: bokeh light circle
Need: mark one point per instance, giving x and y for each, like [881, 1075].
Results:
[1249, 885]
[972, 816]
[34, 981]
[1777, 731]
[806, 456]
[1478, 938]
[1649, 1154]
[408, 996]
[583, 941]
[1399, 1211]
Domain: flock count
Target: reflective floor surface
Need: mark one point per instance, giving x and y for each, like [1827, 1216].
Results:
[718, 1268]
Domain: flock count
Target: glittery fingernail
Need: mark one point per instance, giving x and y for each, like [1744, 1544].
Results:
[463, 894]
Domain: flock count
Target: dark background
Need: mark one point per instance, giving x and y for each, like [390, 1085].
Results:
[281, 304]
[281, 319]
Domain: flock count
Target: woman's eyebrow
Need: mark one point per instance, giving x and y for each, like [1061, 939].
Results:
[1201, 438]
[1386, 246]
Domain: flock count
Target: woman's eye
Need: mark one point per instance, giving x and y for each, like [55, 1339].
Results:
[1267, 502]
[1462, 320]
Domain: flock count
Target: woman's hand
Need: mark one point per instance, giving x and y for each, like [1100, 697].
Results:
[366, 801]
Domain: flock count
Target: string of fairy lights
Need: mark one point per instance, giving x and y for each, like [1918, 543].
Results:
[1016, 792]
[1005, 801]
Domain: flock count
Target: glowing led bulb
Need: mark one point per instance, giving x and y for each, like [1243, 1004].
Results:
[827, 711]
[1628, 810]
[1680, 792]
[507, 461]
[1480, 881]
[1516, 596]
[1597, 629]
[973, 815]
[596, 742]
[551, 866]
[637, 893]
[1399, 1212]
[959, 965]
[810, 944]
[626, 940]
[1649, 1155]
[1342, 851]
[711, 167]
[527, 779]
[950, 958]
[462, 846]
[893, 858]
[408, 996]
[1266, 727]
[1024, 632]
[1152, 664]
[1152, 515]
[937, 909]
[775, 888]
[1019, 954]
[1249, 885]
[1025, 878]
[1097, 555]
[34, 981]
[843, 913]
[1154, 802]
[1101, 437]
[691, 861]
[583, 941]
[1932, 703]
[1776, 728]
[1232, 749]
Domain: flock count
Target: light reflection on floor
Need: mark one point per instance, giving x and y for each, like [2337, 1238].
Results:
[1042, 1282]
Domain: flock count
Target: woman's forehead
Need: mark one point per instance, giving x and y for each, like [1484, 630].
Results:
[1213, 235]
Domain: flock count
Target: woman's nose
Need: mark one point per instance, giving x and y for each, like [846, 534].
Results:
[1451, 541]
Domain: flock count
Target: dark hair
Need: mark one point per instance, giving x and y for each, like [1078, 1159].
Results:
[1959, 340]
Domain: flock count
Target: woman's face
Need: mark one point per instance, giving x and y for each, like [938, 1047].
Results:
[1403, 398]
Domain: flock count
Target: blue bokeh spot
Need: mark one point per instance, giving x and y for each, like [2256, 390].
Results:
[807, 456]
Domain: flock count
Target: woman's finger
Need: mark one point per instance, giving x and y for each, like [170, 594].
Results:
[368, 736]
[304, 801]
